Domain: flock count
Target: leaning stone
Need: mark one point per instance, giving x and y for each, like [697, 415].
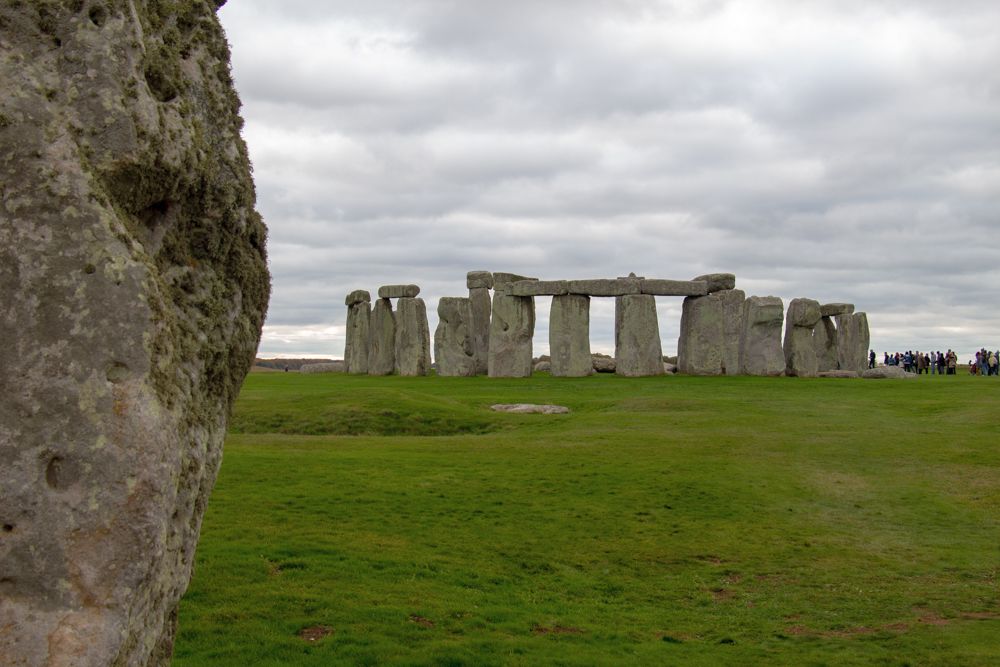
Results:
[569, 336]
[825, 344]
[358, 296]
[760, 342]
[604, 286]
[133, 284]
[658, 287]
[413, 341]
[358, 337]
[503, 280]
[398, 291]
[325, 367]
[709, 342]
[511, 330]
[718, 281]
[529, 408]
[479, 280]
[537, 288]
[834, 309]
[887, 373]
[853, 339]
[543, 367]
[382, 344]
[838, 374]
[480, 302]
[454, 346]
[803, 313]
[603, 364]
[637, 337]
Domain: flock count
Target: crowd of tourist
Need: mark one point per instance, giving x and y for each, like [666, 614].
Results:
[944, 363]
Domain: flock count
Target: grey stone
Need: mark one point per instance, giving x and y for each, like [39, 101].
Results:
[358, 296]
[543, 367]
[569, 336]
[825, 344]
[800, 353]
[669, 369]
[529, 408]
[603, 364]
[325, 367]
[718, 281]
[480, 302]
[637, 337]
[887, 373]
[709, 342]
[760, 344]
[511, 329]
[537, 288]
[398, 291]
[413, 341]
[803, 313]
[604, 286]
[358, 337]
[834, 309]
[853, 339]
[134, 284]
[503, 280]
[658, 287]
[382, 342]
[479, 280]
[454, 344]
[838, 374]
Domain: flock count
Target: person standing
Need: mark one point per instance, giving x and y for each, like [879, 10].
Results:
[993, 364]
[871, 358]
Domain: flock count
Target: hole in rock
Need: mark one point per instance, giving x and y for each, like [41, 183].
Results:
[157, 218]
[60, 473]
[98, 15]
[8, 528]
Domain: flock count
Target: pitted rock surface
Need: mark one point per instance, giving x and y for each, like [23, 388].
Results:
[134, 284]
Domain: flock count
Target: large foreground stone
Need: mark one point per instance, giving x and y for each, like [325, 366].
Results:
[709, 342]
[511, 329]
[358, 337]
[800, 353]
[382, 341]
[413, 340]
[454, 347]
[637, 337]
[134, 285]
[853, 339]
[569, 336]
[760, 343]
[479, 302]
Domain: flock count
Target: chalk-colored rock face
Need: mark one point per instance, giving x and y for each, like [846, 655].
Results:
[382, 340]
[853, 339]
[800, 351]
[637, 337]
[454, 347]
[413, 341]
[481, 309]
[825, 344]
[569, 336]
[134, 286]
[760, 344]
[511, 329]
[356, 348]
[709, 342]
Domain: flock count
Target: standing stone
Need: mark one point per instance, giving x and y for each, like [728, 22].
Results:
[800, 353]
[413, 339]
[358, 332]
[711, 326]
[569, 336]
[760, 343]
[511, 329]
[134, 284]
[382, 340]
[454, 346]
[825, 345]
[638, 351]
[853, 339]
[480, 283]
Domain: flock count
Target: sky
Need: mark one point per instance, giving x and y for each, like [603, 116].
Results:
[844, 151]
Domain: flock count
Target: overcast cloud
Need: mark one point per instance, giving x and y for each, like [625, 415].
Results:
[843, 151]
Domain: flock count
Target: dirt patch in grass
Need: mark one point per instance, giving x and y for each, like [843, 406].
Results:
[315, 633]
[722, 594]
[981, 615]
[421, 621]
[556, 630]
[928, 617]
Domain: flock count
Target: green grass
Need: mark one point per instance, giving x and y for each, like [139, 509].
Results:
[671, 520]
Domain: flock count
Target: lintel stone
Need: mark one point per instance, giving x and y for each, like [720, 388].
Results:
[659, 287]
[538, 288]
[604, 286]
[834, 309]
[478, 279]
[718, 281]
[357, 296]
[503, 280]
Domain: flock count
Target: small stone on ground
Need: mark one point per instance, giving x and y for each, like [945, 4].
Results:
[525, 408]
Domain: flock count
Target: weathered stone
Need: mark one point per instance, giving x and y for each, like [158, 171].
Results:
[398, 291]
[325, 367]
[838, 374]
[760, 343]
[543, 367]
[603, 364]
[658, 287]
[604, 286]
[834, 309]
[358, 296]
[800, 353]
[853, 339]
[503, 280]
[887, 373]
[413, 340]
[802, 313]
[538, 288]
[529, 408]
[637, 337]
[454, 345]
[358, 338]
[479, 280]
[511, 329]
[718, 281]
[569, 336]
[479, 298]
[382, 340]
[134, 284]
[709, 342]
[825, 345]
[669, 369]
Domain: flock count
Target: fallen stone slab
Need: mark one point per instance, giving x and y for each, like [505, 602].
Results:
[325, 367]
[718, 281]
[538, 288]
[837, 374]
[398, 291]
[358, 296]
[660, 287]
[834, 309]
[479, 280]
[887, 373]
[604, 365]
[530, 408]
[543, 367]
[604, 286]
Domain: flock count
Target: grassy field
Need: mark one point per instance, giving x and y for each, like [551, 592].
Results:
[671, 520]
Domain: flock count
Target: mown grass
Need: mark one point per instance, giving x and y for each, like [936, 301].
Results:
[672, 520]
